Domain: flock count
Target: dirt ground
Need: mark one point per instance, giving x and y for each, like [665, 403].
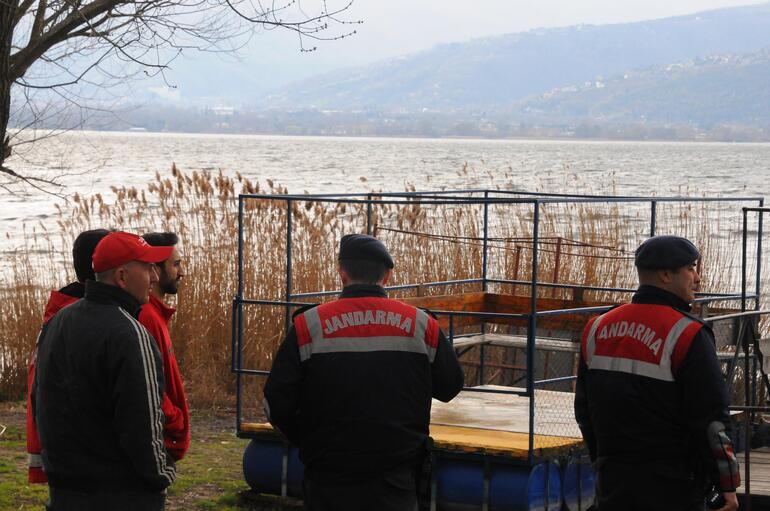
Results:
[209, 477]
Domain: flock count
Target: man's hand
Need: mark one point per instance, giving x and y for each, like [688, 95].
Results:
[731, 502]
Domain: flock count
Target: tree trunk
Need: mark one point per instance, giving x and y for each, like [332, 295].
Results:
[7, 13]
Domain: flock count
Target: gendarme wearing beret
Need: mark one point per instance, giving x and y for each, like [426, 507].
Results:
[364, 247]
[665, 253]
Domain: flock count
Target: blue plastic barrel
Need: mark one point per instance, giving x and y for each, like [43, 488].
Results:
[263, 466]
[511, 487]
[579, 484]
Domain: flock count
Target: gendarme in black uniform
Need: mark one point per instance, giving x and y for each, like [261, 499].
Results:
[352, 384]
[651, 400]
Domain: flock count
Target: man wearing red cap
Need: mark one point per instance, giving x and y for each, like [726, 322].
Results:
[155, 316]
[98, 389]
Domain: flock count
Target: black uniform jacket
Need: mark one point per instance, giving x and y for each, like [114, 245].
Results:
[356, 415]
[641, 421]
[97, 396]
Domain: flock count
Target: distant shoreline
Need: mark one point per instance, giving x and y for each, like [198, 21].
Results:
[465, 138]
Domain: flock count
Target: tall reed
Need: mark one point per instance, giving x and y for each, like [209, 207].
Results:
[594, 243]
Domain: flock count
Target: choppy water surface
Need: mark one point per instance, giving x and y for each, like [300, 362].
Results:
[94, 162]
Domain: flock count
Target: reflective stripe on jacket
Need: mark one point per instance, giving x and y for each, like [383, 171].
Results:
[359, 325]
[642, 339]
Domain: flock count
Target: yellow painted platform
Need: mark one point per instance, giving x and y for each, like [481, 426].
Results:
[494, 424]
[496, 443]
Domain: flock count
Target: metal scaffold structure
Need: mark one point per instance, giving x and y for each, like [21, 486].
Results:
[509, 440]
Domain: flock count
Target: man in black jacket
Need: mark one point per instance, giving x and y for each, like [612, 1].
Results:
[650, 399]
[98, 389]
[352, 384]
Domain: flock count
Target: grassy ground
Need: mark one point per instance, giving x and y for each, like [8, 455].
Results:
[209, 478]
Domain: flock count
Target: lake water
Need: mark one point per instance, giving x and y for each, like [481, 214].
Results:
[91, 162]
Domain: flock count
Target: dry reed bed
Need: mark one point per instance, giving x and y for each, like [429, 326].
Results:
[429, 242]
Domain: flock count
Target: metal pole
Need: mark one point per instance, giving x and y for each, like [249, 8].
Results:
[289, 204]
[556, 263]
[759, 253]
[744, 259]
[369, 214]
[746, 398]
[486, 246]
[531, 331]
[285, 470]
[579, 472]
[239, 309]
[484, 284]
[653, 216]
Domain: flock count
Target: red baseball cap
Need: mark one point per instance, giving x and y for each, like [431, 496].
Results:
[119, 248]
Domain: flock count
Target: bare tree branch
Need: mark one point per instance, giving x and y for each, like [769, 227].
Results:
[53, 48]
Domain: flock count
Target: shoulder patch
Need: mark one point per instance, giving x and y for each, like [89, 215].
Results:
[693, 317]
[303, 309]
[428, 312]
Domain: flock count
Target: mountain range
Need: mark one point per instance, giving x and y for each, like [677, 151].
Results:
[705, 68]
[691, 76]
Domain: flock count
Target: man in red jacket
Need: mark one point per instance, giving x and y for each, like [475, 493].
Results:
[82, 252]
[155, 316]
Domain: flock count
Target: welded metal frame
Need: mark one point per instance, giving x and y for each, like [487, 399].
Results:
[466, 197]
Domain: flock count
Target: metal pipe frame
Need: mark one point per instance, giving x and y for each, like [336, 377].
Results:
[531, 330]
[446, 198]
[288, 296]
[463, 197]
[238, 306]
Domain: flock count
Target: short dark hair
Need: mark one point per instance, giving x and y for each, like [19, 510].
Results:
[161, 239]
[83, 253]
[364, 271]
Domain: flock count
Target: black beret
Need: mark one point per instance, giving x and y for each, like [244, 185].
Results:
[665, 253]
[363, 246]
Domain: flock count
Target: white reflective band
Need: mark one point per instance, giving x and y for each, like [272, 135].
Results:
[369, 344]
[420, 327]
[591, 341]
[627, 365]
[313, 322]
[35, 461]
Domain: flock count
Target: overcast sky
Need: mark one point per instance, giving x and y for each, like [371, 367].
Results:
[396, 27]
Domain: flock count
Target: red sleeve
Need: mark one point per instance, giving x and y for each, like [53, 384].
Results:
[34, 449]
[584, 337]
[176, 428]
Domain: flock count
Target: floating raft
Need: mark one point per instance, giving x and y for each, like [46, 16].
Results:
[480, 454]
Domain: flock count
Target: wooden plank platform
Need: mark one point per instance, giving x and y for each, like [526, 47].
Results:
[760, 471]
[554, 412]
[493, 424]
[495, 442]
[517, 341]
[507, 304]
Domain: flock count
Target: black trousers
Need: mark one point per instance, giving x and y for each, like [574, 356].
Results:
[395, 491]
[70, 500]
[663, 486]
